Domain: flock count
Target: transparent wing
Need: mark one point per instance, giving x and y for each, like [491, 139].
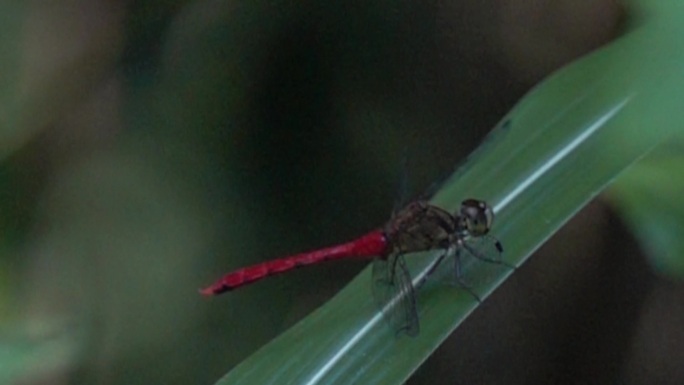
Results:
[403, 188]
[394, 295]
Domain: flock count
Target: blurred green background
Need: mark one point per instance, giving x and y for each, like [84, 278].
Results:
[148, 147]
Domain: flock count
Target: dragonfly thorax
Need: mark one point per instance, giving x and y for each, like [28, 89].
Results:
[420, 226]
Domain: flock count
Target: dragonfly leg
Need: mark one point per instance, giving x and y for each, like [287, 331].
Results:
[497, 261]
[458, 275]
[431, 269]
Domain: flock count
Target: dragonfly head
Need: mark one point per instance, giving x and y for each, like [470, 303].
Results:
[477, 217]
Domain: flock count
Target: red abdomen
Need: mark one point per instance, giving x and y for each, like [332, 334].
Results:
[369, 245]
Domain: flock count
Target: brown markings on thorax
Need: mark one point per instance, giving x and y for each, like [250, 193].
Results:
[420, 226]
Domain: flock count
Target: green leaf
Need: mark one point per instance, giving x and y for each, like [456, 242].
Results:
[649, 196]
[556, 150]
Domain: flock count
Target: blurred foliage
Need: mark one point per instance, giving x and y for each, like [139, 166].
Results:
[649, 198]
[148, 146]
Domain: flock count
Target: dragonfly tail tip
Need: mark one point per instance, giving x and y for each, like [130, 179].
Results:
[207, 292]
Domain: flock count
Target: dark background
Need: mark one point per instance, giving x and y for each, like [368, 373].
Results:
[154, 145]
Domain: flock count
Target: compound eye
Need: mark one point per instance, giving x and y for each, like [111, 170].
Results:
[477, 216]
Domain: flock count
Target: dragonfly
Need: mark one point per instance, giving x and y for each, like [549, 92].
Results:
[419, 226]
